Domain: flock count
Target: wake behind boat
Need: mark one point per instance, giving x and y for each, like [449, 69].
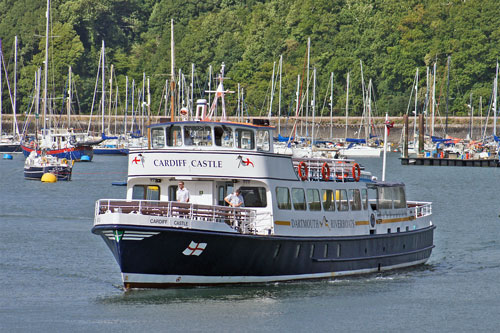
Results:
[302, 219]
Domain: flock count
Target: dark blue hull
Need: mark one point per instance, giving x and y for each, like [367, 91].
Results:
[10, 148]
[236, 258]
[36, 173]
[109, 151]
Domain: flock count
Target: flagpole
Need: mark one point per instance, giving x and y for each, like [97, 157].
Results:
[385, 146]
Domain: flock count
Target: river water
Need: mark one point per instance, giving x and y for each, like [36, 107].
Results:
[55, 275]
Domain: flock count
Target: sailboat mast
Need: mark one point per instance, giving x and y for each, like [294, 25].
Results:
[103, 94]
[447, 94]
[272, 92]
[433, 105]
[126, 106]
[495, 93]
[1, 106]
[46, 67]
[279, 95]
[415, 110]
[172, 72]
[331, 105]
[307, 81]
[15, 129]
[313, 106]
[108, 132]
[68, 106]
[192, 90]
[347, 104]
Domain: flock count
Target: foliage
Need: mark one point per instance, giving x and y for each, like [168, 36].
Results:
[390, 38]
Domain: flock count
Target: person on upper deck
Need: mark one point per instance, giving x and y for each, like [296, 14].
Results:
[182, 193]
[235, 199]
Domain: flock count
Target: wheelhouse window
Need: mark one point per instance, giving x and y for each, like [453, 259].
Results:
[328, 200]
[399, 197]
[254, 196]
[146, 192]
[364, 198]
[384, 197]
[283, 197]
[158, 137]
[245, 139]
[355, 199]
[263, 140]
[223, 136]
[298, 199]
[174, 136]
[313, 200]
[197, 135]
[342, 200]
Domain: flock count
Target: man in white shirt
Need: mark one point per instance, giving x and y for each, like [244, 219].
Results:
[182, 193]
[235, 199]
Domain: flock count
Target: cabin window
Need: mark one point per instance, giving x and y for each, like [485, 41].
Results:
[283, 197]
[245, 139]
[254, 196]
[384, 197]
[355, 199]
[328, 201]
[364, 198]
[298, 199]
[313, 200]
[223, 136]
[158, 137]
[341, 199]
[263, 140]
[172, 192]
[197, 136]
[146, 192]
[174, 136]
[399, 197]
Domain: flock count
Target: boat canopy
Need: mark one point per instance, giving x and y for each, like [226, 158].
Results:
[355, 140]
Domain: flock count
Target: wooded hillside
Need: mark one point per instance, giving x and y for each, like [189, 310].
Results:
[391, 38]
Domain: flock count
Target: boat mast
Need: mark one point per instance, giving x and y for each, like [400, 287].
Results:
[279, 95]
[192, 91]
[126, 106]
[313, 106]
[433, 105]
[363, 91]
[46, 68]
[307, 82]
[133, 113]
[15, 128]
[331, 105]
[447, 94]
[68, 106]
[272, 92]
[1, 107]
[347, 104]
[495, 93]
[172, 72]
[103, 94]
[108, 132]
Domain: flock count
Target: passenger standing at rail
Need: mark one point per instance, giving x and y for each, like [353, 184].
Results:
[182, 193]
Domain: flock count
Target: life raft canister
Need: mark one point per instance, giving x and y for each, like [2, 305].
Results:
[303, 171]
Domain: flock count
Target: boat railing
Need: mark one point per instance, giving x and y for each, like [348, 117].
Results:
[339, 170]
[420, 208]
[241, 219]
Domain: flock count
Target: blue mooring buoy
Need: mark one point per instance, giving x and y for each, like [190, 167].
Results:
[7, 156]
[85, 158]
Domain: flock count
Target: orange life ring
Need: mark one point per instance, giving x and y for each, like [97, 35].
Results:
[325, 172]
[303, 171]
[355, 168]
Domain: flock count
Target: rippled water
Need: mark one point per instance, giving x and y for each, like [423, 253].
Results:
[55, 275]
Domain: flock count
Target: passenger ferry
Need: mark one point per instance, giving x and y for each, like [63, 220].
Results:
[302, 218]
